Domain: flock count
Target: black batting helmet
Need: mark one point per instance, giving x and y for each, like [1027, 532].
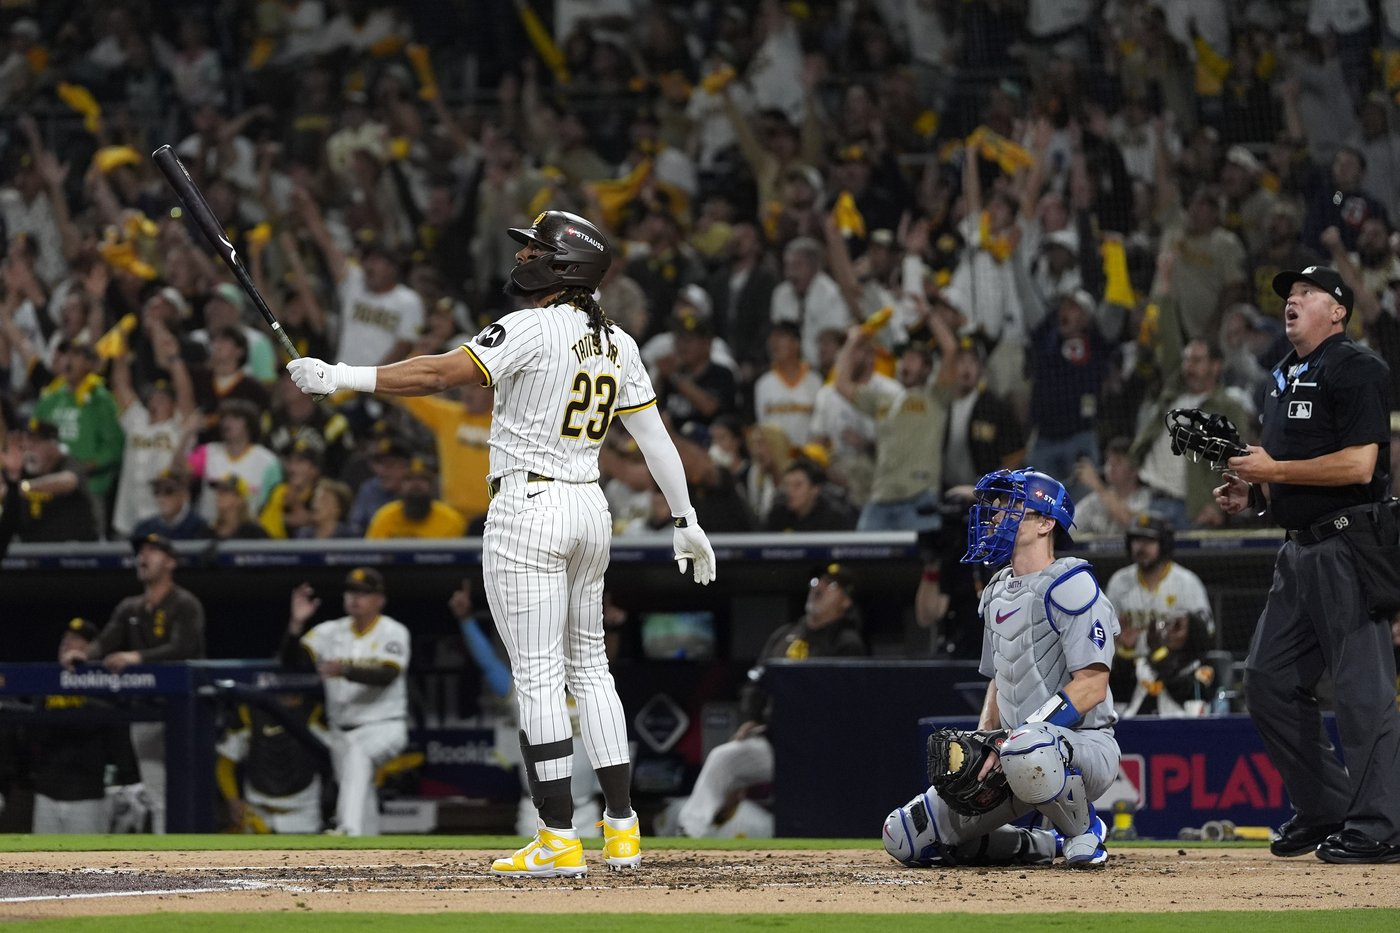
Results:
[581, 253]
[1154, 527]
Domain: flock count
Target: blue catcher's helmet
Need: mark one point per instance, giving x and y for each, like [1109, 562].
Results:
[1002, 498]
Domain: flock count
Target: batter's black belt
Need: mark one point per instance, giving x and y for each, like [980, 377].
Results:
[1334, 524]
[493, 486]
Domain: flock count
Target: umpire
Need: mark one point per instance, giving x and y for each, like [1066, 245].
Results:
[1325, 461]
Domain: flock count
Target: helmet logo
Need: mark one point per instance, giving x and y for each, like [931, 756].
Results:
[575, 231]
[536, 221]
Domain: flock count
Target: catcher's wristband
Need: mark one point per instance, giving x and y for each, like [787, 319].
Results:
[1058, 711]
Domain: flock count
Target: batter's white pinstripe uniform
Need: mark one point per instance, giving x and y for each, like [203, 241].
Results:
[546, 544]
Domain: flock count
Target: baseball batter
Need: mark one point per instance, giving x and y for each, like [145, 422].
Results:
[1047, 647]
[561, 372]
[361, 658]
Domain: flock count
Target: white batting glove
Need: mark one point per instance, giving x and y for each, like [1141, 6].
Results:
[689, 543]
[317, 377]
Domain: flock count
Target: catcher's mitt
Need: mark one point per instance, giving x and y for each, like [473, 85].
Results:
[1204, 435]
[954, 760]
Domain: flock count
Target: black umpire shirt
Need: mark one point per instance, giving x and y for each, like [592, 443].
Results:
[1335, 397]
[171, 631]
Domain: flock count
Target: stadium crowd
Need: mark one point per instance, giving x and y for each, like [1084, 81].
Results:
[873, 249]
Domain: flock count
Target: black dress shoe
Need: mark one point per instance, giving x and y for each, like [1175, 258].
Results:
[1353, 847]
[1295, 838]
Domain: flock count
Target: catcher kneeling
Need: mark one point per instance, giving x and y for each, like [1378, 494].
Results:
[1045, 740]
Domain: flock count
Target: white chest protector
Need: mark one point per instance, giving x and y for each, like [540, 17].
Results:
[1040, 628]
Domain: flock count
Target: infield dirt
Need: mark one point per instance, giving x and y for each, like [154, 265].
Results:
[49, 884]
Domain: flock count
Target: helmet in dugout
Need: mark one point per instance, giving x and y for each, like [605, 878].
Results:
[580, 253]
[1153, 527]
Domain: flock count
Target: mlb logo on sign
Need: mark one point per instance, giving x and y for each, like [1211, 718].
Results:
[1300, 409]
[1129, 785]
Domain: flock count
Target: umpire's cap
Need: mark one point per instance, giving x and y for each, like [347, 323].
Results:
[581, 251]
[1329, 280]
[364, 580]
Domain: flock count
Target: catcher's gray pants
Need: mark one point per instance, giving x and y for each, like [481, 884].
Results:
[1315, 620]
[1096, 756]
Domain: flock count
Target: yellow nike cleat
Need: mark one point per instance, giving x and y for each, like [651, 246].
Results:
[550, 854]
[622, 842]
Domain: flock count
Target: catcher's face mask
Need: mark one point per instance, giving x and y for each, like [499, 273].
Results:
[1002, 498]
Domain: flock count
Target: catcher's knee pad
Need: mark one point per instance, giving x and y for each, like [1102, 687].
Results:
[911, 836]
[1035, 760]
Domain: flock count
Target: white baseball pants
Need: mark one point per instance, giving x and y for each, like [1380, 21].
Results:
[545, 551]
[71, 816]
[355, 754]
[729, 767]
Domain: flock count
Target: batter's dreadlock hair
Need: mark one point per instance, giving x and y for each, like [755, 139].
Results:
[582, 298]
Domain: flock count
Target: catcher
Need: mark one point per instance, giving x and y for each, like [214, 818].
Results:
[1046, 738]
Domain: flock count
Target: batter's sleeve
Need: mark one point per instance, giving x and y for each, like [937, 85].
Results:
[637, 391]
[507, 345]
[659, 451]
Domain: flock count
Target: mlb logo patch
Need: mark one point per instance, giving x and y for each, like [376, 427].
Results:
[1300, 409]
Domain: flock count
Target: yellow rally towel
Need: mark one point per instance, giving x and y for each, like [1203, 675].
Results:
[120, 255]
[113, 343]
[999, 245]
[1008, 156]
[847, 216]
[417, 56]
[1118, 290]
[543, 42]
[258, 237]
[717, 80]
[109, 157]
[614, 194]
[260, 52]
[80, 99]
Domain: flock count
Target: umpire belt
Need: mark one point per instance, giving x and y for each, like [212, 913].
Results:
[1334, 524]
[494, 486]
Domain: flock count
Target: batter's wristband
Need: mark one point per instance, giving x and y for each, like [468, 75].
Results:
[358, 378]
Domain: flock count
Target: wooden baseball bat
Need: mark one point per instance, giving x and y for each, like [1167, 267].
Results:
[193, 199]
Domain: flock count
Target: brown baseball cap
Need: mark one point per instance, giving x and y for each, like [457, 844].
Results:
[153, 540]
[81, 627]
[364, 580]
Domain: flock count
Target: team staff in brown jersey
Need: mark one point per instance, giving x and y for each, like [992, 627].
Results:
[164, 623]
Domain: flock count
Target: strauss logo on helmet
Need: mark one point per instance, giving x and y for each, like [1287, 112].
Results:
[574, 231]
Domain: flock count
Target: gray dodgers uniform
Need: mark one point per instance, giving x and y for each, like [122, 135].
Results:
[548, 530]
[1038, 630]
